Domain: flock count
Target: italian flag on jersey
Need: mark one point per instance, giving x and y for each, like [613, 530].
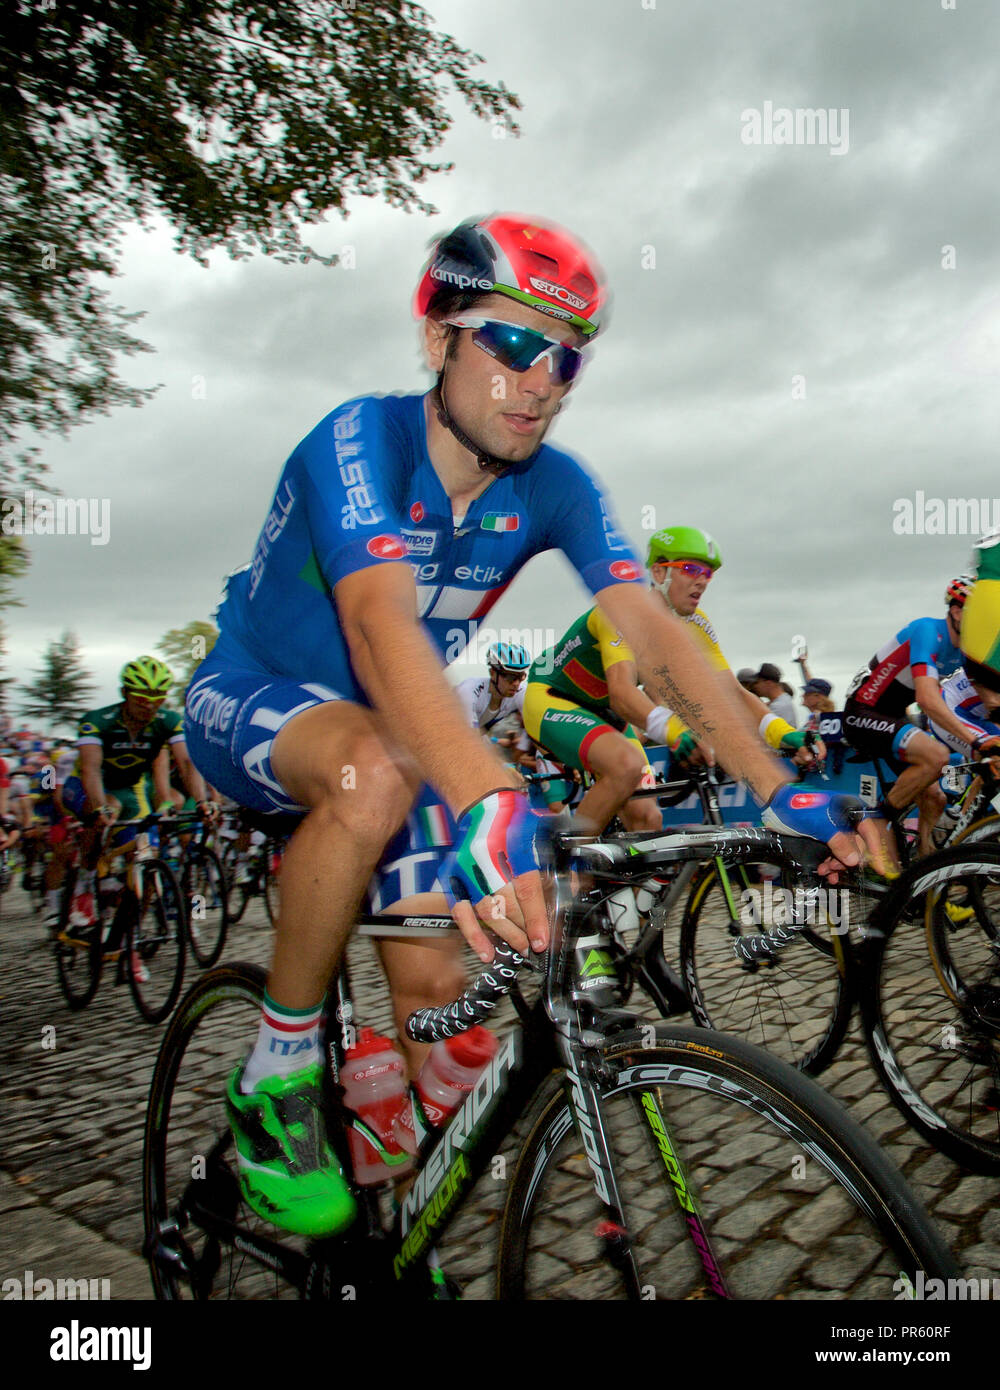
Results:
[500, 521]
[434, 827]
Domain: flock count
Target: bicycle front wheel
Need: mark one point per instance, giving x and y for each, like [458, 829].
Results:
[78, 949]
[202, 1241]
[738, 1177]
[794, 1001]
[206, 900]
[156, 937]
[931, 1002]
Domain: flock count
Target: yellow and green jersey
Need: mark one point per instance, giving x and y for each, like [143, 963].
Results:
[576, 665]
[127, 757]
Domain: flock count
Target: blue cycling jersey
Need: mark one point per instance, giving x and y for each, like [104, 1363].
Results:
[360, 490]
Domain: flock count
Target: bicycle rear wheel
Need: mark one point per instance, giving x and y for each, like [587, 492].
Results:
[205, 899]
[931, 1002]
[795, 1001]
[78, 950]
[714, 1144]
[156, 937]
[193, 1210]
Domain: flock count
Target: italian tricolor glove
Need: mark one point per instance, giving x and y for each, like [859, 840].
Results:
[495, 845]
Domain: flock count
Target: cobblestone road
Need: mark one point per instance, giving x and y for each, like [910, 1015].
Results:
[75, 1099]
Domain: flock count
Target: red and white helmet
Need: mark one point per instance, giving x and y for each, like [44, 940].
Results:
[959, 590]
[533, 261]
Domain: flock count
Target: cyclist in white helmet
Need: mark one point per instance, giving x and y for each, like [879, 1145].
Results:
[492, 699]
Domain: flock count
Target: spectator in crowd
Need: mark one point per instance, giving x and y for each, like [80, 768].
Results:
[767, 685]
[816, 698]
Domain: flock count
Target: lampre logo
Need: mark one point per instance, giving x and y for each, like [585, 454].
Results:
[386, 548]
[462, 282]
[418, 542]
[557, 292]
[624, 569]
[801, 801]
[417, 513]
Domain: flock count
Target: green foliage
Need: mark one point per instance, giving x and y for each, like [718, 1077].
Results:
[239, 122]
[183, 648]
[61, 689]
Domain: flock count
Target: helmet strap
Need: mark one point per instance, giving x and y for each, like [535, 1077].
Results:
[488, 463]
[663, 589]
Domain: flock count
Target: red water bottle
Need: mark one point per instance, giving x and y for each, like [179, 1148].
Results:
[449, 1073]
[375, 1089]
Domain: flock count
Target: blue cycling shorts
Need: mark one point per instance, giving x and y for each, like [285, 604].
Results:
[231, 717]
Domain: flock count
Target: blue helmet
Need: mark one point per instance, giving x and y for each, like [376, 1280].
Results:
[508, 657]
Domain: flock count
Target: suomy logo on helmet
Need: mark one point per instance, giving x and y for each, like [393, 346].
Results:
[624, 569]
[463, 282]
[557, 292]
[386, 548]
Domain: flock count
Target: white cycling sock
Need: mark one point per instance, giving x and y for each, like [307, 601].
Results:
[288, 1040]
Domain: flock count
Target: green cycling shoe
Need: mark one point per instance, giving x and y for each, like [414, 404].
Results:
[288, 1172]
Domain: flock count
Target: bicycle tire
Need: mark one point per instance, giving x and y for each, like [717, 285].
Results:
[796, 1003]
[156, 940]
[203, 887]
[186, 1144]
[237, 894]
[931, 1005]
[272, 882]
[797, 1201]
[985, 828]
[78, 951]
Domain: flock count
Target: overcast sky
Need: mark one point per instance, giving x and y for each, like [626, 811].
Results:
[793, 349]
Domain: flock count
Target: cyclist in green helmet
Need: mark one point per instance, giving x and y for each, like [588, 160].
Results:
[681, 561]
[117, 745]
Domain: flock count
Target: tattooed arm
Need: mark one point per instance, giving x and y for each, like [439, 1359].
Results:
[675, 673]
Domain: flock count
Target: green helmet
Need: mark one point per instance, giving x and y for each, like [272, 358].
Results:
[683, 543]
[146, 676]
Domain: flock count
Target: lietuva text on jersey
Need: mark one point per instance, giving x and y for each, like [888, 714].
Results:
[922, 648]
[360, 490]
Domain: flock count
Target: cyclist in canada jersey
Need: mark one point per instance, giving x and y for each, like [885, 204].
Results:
[395, 526]
[909, 668]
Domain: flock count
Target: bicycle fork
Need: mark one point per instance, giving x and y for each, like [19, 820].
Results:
[586, 1070]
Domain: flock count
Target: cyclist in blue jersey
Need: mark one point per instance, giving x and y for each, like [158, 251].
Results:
[909, 669]
[395, 526]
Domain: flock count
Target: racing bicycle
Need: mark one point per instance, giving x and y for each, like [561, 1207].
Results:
[135, 922]
[649, 1161]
